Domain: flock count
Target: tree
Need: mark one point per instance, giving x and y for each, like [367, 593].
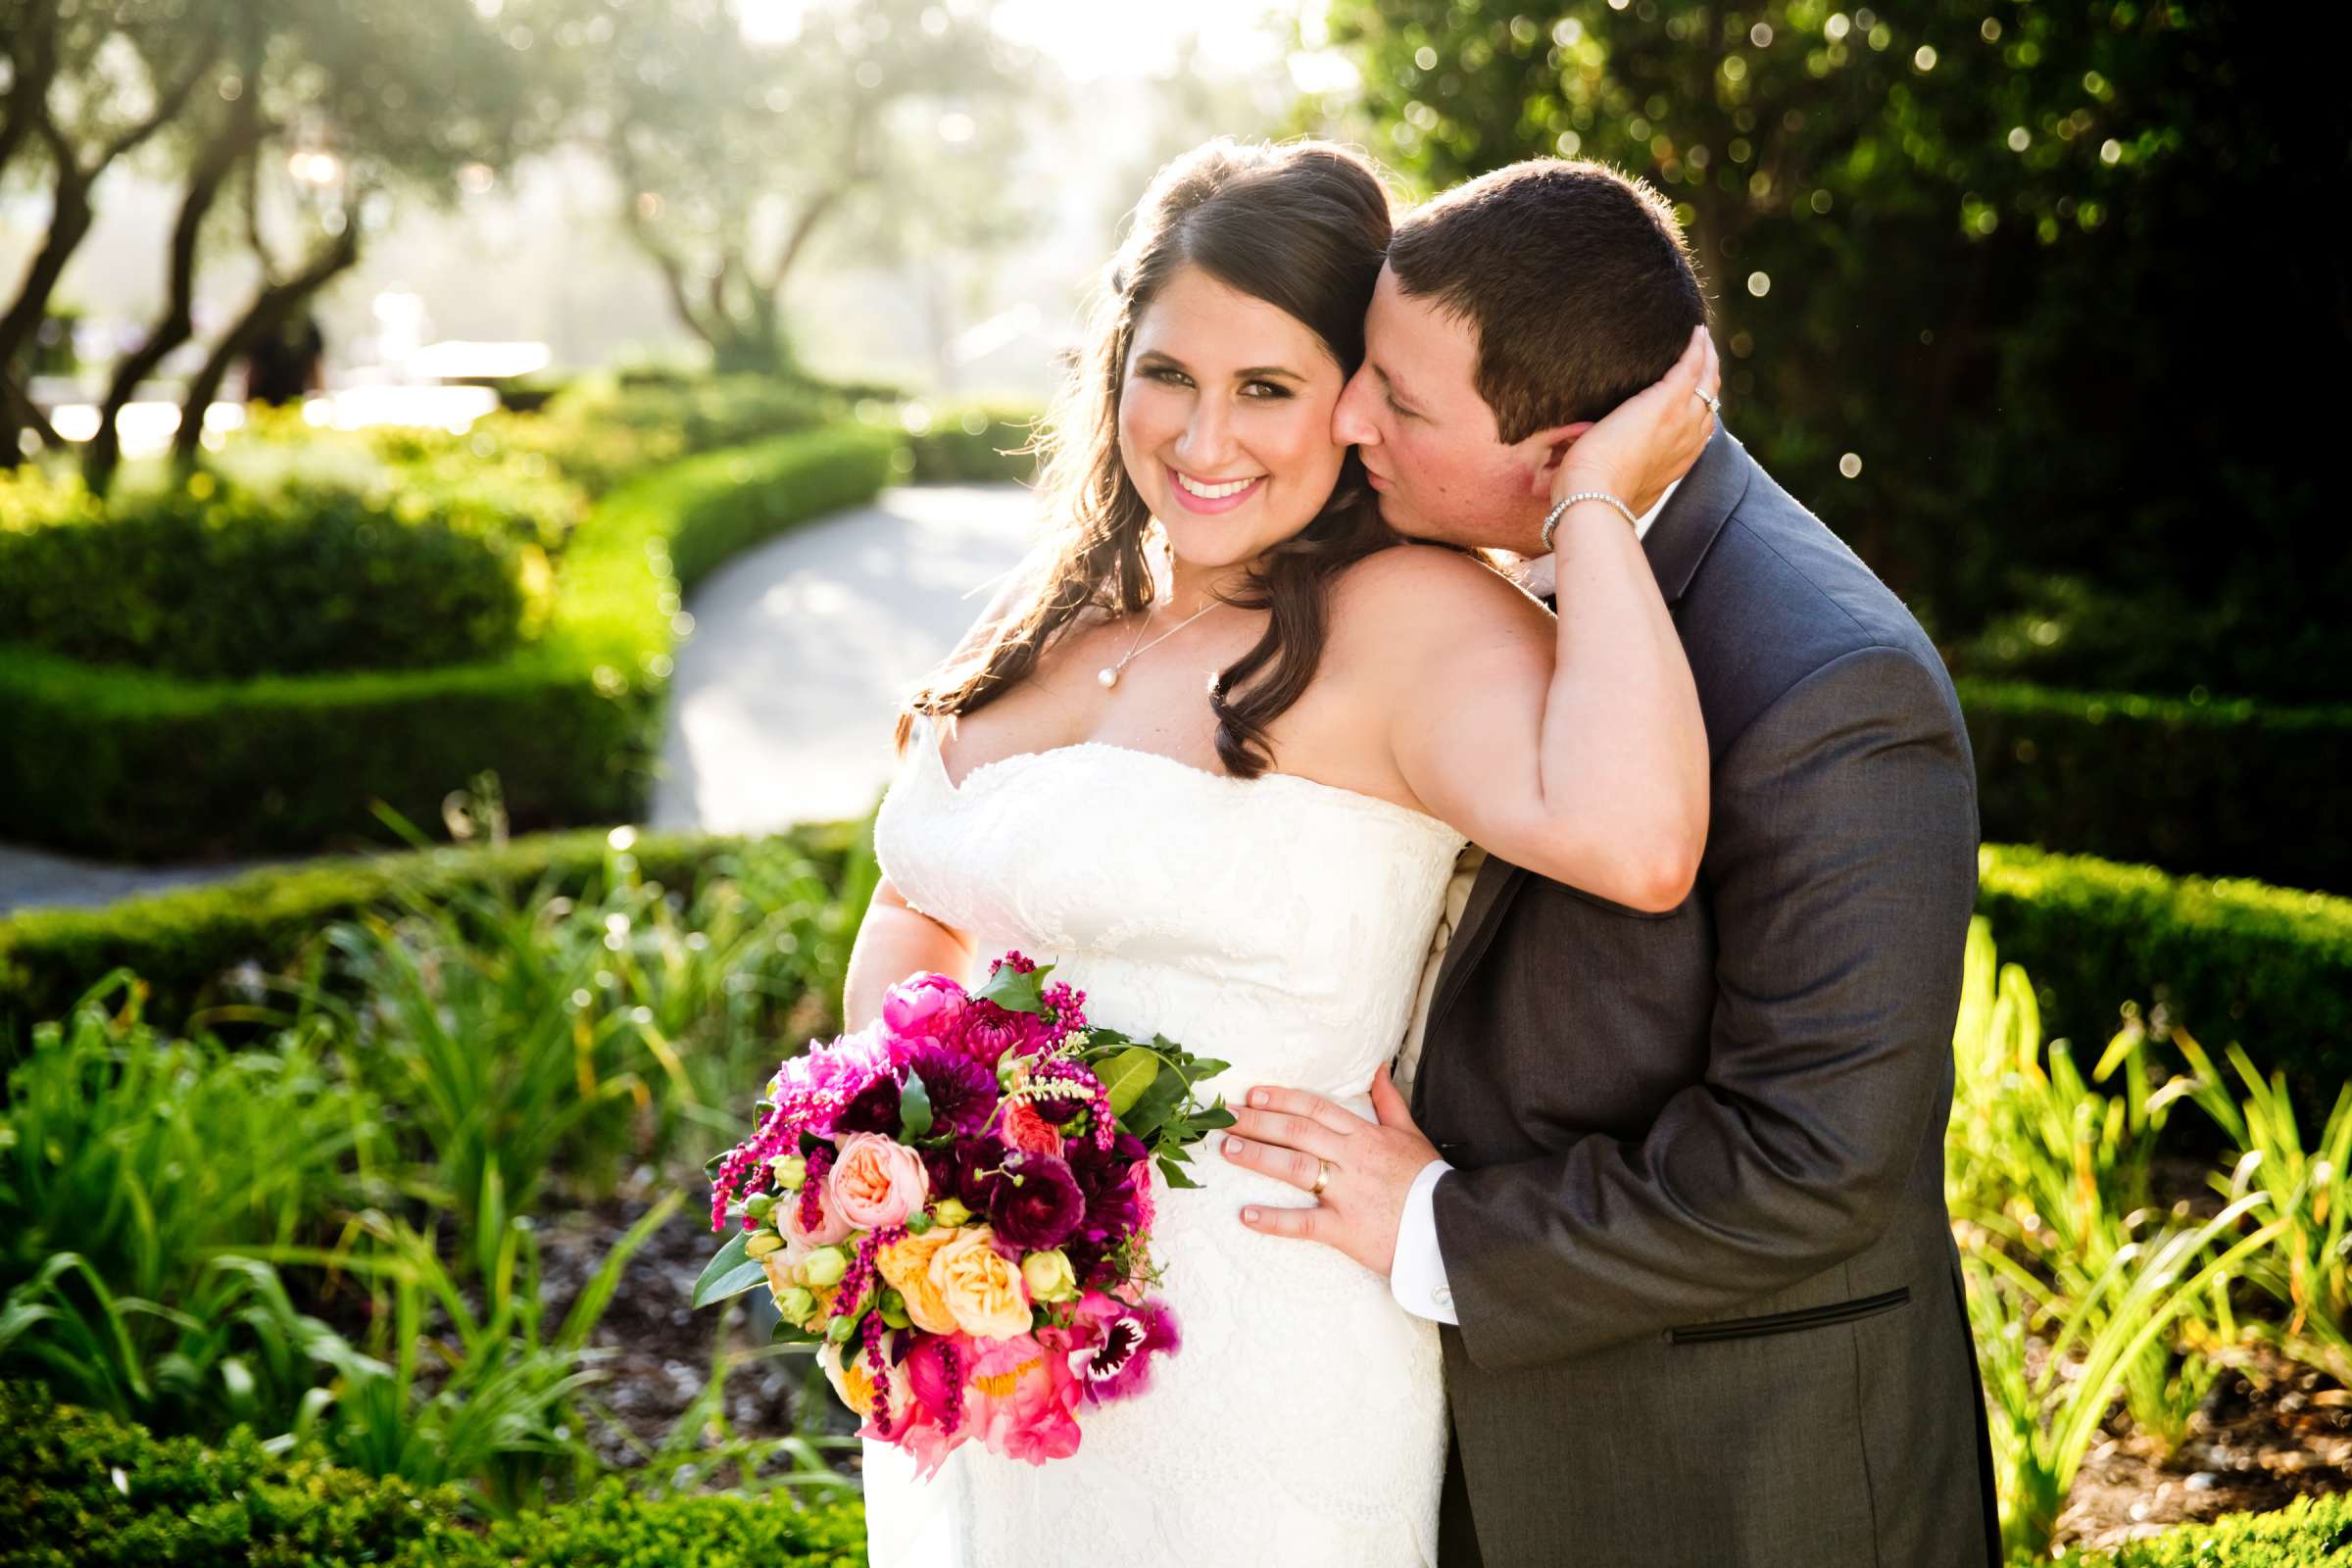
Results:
[2016, 266]
[286, 122]
[89, 84]
[734, 151]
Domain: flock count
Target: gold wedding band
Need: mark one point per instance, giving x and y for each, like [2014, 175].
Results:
[1322, 1178]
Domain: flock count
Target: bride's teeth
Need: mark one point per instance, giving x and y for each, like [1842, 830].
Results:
[1214, 492]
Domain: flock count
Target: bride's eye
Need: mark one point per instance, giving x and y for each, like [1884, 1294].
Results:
[1271, 389]
[1167, 375]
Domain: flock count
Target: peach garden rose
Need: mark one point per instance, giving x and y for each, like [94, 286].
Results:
[981, 1286]
[876, 1182]
[905, 1266]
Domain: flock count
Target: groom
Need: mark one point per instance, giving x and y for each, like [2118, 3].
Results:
[1674, 1183]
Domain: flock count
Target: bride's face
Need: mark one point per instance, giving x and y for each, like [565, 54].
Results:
[1227, 394]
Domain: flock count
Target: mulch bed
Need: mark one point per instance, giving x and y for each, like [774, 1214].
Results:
[2270, 1431]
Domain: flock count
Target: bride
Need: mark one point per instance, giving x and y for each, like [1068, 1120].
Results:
[1213, 754]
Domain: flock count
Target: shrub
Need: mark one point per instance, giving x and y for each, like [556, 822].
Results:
[2309, 1533]
[2223, 788]
[189, 947]
[224, 581]
[78, 1490]
[601, 432]
[139, 765]
[971, 442]
[2226, 960]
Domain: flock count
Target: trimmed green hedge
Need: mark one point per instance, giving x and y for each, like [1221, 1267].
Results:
[601, 431]
[79, 1489]
[134, 765]
[2239, 960]
[2235, 788]
[2308, 1533]
[181, 944]
[226, 581]
[2230, 961]
[974, 443]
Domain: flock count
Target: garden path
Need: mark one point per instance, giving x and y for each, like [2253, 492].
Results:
[782, 701]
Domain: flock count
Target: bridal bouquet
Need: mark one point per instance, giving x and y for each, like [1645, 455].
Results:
[956, 1203]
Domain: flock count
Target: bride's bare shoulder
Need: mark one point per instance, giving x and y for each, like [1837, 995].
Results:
[1416, 586]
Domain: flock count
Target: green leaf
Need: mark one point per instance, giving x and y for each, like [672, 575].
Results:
[1154, 1106]
[730, 1272]
[1126, 1076]
[710, 1165]
[1176, 1177]
[914, 1107]
[1015, 991]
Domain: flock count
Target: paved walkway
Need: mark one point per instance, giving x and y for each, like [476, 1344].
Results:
[783, 699]
[801, 650]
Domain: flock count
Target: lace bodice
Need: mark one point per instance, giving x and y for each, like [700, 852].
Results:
[1280, 924]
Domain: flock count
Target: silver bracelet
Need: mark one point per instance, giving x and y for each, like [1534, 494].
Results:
[1553, 519]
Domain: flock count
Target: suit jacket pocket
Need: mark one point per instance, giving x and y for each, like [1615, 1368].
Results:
[1808, 1317]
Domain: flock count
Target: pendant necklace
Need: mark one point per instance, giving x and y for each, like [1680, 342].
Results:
[1110, 674]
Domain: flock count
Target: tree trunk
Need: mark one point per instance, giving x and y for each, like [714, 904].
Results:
[105, 451]
[69, 223]
[271, 310]
[33, 58]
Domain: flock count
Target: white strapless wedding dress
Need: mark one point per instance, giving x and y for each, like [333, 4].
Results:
[1279, 925]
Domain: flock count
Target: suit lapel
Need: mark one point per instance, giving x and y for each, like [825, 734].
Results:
[1489, 895]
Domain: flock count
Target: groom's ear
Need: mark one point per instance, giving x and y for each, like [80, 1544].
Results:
[1542, 454]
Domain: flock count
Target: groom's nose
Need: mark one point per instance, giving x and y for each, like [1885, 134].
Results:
[1351, 424]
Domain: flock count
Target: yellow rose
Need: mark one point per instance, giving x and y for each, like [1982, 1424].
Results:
[981, 1286]
[905, 1267]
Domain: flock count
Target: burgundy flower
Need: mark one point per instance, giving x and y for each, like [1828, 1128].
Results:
[968, 1169]
[963, 1093]
[1038, 1204]
[875, 1110]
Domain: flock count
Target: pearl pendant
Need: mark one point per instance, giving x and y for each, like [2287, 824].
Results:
[1109, 678]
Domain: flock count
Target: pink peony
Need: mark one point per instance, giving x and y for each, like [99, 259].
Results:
[936, 1426]
[1023, 1400]
[923, 1005]
[1024, 1129]
[876, 1182]
[813, 1089]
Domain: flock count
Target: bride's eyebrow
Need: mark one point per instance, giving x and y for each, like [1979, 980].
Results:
[1255, 372]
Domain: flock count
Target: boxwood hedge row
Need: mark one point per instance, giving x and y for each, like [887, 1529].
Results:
[132, 764]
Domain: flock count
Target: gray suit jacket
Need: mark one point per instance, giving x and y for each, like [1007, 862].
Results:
[1710, 1305]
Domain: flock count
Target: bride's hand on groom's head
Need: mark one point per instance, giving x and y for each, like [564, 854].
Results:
[1650, 440]
[1368, 1168]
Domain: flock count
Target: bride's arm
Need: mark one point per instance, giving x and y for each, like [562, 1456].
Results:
[896, 940]
[1575, 747]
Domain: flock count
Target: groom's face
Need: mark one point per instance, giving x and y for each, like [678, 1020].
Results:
[1428, 439]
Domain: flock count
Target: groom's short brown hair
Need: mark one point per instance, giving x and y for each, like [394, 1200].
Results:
[1575, 278]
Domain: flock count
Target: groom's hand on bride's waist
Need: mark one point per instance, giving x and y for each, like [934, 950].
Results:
[1292, 1136]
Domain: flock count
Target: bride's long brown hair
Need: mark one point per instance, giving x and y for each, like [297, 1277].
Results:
[1303, 225]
